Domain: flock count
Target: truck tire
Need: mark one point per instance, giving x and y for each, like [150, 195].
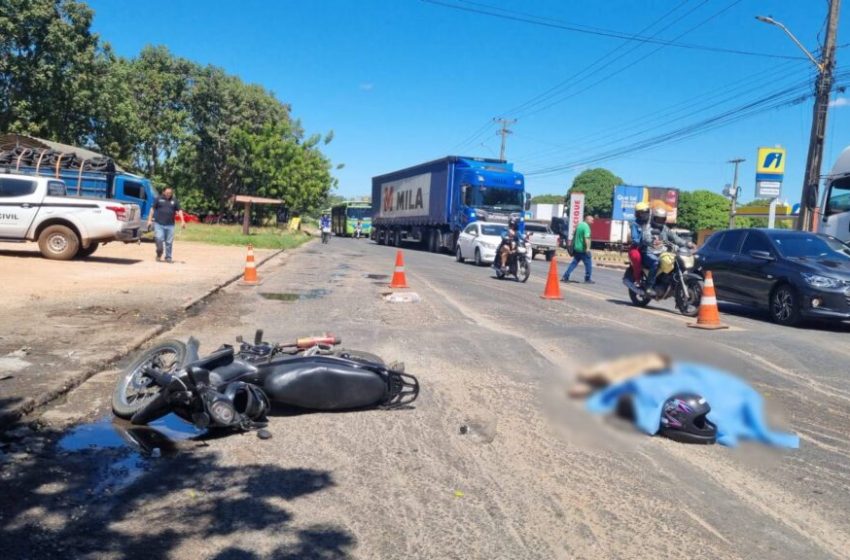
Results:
[397, 238]
[380, 237]
[88, 251]
[434, 241]
[58, 243]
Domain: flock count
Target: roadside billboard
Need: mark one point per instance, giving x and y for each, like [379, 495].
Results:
[576, 214]
[627, 196]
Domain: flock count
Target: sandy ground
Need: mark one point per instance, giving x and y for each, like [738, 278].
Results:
[61, 318]
[532, 475]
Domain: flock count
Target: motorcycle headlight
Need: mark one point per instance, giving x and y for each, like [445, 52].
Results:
[818, 281]
[222, 412]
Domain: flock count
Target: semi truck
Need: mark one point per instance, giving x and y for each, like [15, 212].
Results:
[432, 202]
[85, 173]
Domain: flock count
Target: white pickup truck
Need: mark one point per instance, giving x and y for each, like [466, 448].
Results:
[37, 209]
[541, 238]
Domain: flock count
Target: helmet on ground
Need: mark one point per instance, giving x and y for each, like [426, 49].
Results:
[248, 400]
[642, 212]
[683, 419]
[659, 217]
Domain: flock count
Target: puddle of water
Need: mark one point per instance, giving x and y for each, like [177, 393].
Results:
[120, 453]
[292, 296]
[376, 276]
[108, 433]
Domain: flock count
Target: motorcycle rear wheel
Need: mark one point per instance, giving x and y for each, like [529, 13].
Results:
[134, 389]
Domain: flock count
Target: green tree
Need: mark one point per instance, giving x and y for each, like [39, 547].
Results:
[703, 209]
[548, 199]
[51, 66]
[598, 188]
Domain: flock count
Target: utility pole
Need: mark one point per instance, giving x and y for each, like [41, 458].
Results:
[823, 87]
[733, 192]
[504, 134]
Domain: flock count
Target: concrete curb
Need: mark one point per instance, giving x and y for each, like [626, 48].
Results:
[74, 380]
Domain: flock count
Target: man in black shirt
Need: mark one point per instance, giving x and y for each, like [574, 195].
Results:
[163, 212]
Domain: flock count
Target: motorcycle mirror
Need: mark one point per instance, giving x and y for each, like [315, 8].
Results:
[258, 337]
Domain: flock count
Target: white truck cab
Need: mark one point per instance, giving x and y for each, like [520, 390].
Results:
[37, 209]
[835, 206]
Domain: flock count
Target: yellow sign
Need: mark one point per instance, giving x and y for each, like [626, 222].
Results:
[762, 210]
[771, 161]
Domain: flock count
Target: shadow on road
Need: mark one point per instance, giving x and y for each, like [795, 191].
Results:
[91, 259]
[114, 502]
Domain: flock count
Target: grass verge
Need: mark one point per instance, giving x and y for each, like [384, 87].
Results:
[260, 237]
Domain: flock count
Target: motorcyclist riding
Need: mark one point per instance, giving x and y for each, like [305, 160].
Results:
[653, 238]
[508, 238]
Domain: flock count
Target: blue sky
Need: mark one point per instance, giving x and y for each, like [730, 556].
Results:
[405, 81]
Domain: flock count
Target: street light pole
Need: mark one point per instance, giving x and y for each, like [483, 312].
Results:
[733, 193]
[823, 87]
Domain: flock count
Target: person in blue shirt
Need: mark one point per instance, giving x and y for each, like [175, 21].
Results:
[325, 225]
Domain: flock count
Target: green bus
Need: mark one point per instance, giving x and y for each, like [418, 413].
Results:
[344, 218]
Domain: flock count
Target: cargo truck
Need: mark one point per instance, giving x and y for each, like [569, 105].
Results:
[85, 173]
[432, 202]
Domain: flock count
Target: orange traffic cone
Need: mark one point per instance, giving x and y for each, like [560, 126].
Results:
[250, 277]
[399, 279]
[709, 315]
[553, 288]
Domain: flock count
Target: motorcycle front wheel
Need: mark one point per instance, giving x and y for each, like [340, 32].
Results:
[135, 390]
[689, 306]
[523, 270]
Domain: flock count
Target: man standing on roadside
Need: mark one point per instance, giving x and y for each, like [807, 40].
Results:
[581, 251]
[163, 212]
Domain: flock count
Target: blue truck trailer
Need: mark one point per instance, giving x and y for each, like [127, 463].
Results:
[432, 202]
[85, 173]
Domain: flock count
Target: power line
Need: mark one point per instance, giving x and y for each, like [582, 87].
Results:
[487, 10]
[691, 106]
[566, 82]
[785, 97]
[631, 63]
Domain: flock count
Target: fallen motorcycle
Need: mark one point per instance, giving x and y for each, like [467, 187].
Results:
[230, 388]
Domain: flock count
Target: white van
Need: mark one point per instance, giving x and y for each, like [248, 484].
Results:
[835, 206]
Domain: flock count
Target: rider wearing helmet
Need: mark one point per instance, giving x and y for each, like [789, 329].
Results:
[641, 219]
[511, 235]
[653, 238]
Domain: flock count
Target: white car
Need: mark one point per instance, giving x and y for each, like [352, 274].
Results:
[478, 241]
[38, 209]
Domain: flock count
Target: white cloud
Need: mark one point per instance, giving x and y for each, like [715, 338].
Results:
[840, 102]
[367, 86]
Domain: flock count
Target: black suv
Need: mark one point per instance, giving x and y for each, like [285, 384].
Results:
[792, 274]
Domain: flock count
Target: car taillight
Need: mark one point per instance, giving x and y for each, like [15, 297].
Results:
[120, 212]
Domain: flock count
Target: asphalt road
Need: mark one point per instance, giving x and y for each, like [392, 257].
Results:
[534, 476]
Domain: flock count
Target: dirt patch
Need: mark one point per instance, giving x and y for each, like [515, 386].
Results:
[75, 317]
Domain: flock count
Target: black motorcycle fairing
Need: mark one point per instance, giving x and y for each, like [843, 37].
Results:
[237, 369]
[326, 385]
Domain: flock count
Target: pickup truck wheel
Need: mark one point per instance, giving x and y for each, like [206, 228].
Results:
[58, 243]
[88, 251]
